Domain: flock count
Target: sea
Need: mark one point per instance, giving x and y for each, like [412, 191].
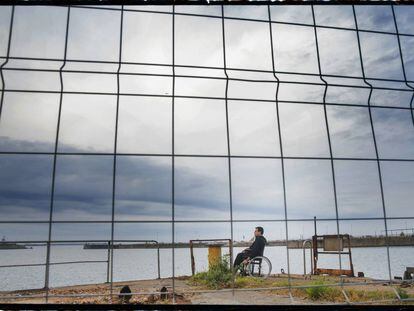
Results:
[142, 264]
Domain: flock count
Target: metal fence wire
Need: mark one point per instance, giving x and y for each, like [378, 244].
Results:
[274, 77]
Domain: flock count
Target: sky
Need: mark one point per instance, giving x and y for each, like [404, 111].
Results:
[143, 184]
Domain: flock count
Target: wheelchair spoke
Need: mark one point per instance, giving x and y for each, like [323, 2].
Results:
[259, 266]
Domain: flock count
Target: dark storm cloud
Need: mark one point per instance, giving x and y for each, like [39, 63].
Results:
[83, 186]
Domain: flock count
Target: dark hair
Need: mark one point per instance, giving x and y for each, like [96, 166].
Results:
[260, 229]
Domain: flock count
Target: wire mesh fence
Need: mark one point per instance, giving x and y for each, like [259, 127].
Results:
[178, 123]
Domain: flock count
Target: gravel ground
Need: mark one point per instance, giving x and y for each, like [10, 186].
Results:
[146, 288]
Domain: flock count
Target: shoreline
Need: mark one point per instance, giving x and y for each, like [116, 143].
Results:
[356, 242]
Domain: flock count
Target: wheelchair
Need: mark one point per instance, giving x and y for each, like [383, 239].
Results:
[259, 266]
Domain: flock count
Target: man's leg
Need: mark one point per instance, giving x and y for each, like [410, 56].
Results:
[239, 259]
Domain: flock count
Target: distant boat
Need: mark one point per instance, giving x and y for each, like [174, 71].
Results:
[7, 245]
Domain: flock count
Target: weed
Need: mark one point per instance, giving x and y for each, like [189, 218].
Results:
[321, 292]
[402, 293]
[248, 282]
[218, 275]
[369, 295]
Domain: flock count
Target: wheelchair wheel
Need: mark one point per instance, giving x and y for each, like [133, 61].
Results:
[259, 266]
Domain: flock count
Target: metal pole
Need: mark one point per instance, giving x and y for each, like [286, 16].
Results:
[108, 262]
[315, 247]
[231, 252]
[328, 133]
[118, 90]
[304, 259]
[52, 193]
[111, 252]
[47, 272]
[350, 255]
[158, 260]
[173, 154]
[311, 261]
[402, 62]
[228, 145]
[192, 258]
[282, 157]
[304, 255]
[375, 144]
[7, 59]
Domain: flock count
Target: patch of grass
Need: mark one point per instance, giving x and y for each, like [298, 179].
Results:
[403, 293]
[321, 292]
[249, 282]
[369, 295]
[218, 275]
[281, 283]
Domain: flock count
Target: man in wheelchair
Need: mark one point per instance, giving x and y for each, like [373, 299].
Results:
[256, 249]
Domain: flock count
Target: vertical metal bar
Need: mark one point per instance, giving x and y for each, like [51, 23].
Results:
[402, 62]
[315, 247]
[228, 143]
[173, 152]
[158, 261]
[7, 59]
[304, 259]
[231, 251]
[304, 255]
[108, 260]
[311, 258]
[47, 267]
[115, 152]
[282, 162]
[375, 143]
[328, 133]
[350, 254]
[52, 194]
[192, 258]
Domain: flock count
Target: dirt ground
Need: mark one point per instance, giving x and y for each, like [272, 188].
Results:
[147, 292]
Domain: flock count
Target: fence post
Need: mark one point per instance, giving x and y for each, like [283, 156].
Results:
[47, 270]
[158, 260]
[108, 261]
[192, 258]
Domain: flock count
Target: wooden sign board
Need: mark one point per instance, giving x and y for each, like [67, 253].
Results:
[333, 244]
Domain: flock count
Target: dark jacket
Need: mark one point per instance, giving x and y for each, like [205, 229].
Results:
[257, 248]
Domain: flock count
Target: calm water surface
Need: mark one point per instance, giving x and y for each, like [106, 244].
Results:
[133, 264]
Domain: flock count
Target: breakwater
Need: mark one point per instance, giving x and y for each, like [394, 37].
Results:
[364, 241]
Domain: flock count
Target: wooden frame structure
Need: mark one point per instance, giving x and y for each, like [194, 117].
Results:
[333, 244]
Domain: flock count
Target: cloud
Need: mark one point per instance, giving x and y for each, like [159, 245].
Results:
[375, 18]
[143, 188]
[334, 15]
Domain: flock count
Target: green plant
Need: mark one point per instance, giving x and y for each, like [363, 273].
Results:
[402, 293]
[249, 282]
[218, 275]
[316, 293]
[281, 283]
[357, 295]
[320, 292]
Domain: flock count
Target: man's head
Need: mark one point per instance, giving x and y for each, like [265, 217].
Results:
[258, 231]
